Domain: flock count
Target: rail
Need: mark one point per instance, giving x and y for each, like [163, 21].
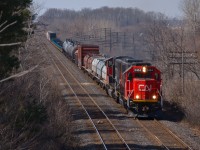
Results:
[166, 135]
[119, 135]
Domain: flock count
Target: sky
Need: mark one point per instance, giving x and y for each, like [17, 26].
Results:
[170, 8]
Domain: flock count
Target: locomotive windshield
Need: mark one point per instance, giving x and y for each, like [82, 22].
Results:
[146, 73]
[142, 75]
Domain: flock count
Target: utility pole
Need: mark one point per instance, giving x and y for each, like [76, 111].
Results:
[105, 38]
[117, 38]
[124, 40]
[134, 45]
[182, 71]
[183, 58]
[110, 40]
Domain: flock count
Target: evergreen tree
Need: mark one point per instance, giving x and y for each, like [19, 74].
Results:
[14, 15]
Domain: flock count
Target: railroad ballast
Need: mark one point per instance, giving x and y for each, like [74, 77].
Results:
[133, 83]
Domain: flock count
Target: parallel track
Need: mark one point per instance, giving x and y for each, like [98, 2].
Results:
[108, 134]
[163, 135]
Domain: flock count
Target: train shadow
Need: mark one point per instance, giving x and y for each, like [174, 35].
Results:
[94, 114]
[118, 147]
[85, 95]
[171, 112]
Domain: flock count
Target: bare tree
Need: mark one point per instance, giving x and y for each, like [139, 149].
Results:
[191, 10]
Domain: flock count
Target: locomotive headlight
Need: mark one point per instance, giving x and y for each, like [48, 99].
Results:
[137, 96]
[154, 96]
[144, 69]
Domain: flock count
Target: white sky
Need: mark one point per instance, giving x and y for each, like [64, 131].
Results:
[169, 7]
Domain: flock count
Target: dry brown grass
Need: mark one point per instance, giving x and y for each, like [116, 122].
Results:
[33, 114]
[189, 103]
[29, 122]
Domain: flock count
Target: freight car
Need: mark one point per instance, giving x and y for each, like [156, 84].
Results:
[51, 36]
[69, 48]
[57, 42]
[133, 83]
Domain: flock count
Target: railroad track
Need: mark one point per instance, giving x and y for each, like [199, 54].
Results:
[108, 134]
[166, 138]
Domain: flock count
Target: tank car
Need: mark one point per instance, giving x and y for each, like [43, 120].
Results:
[100, 67]
[69, 48]
[95, 63]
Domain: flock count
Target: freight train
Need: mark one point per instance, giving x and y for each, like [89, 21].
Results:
[133, 83]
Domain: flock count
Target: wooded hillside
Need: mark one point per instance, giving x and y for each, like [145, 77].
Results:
[117, 30]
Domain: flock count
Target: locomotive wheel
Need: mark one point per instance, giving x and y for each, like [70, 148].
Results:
[101, 85]
[106, 91]
[125, 105]
[121, 101]
[116, 98]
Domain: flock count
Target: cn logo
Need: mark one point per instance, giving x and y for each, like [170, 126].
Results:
[144, 88]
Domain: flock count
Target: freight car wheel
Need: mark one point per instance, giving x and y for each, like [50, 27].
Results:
[101, 85]
[116, 98]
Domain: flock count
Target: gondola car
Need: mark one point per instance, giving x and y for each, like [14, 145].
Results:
[52, 37]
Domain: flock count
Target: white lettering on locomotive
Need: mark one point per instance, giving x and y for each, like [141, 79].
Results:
[138, 70]
[144, 88]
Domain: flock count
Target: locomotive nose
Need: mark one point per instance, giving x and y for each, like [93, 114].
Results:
[145, 89]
